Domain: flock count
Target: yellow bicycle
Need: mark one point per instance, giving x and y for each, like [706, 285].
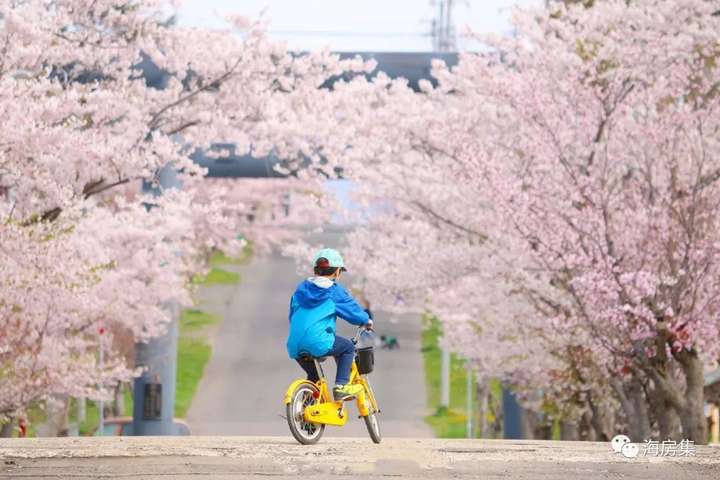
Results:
[310, 405]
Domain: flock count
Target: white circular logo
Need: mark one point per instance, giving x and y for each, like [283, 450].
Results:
[630, 450]
[618, 442]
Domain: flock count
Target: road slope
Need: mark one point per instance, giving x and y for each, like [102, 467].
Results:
[242, 389]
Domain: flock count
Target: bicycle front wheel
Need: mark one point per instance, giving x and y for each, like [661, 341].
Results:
[304, 432]
[371, 419]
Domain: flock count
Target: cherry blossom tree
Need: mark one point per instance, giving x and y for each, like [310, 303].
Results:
[85, 256]
[553, 201]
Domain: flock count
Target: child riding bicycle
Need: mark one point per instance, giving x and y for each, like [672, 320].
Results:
[316, 303]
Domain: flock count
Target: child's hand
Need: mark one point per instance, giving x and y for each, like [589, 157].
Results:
[369, 325]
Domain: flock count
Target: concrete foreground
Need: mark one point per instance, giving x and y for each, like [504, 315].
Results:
[283, 458]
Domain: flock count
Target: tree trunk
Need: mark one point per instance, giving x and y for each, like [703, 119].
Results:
[641, 423]
[588, 432]
[634, 405]
[497, 412]
[483, 391]
[56, 422]
[668, 421]
[543, 427]
[7, 429]
[118, 406]
[602, 421]
[569, 430]
[694, 426]
[530, 424]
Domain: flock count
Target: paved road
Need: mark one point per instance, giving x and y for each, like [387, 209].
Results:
[244, 383]
[216, 458]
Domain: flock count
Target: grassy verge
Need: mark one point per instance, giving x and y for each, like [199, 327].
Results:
[217, 276]
[218, 258]
[192, 320]
[220, 276]
[448, 422]
[193, 354]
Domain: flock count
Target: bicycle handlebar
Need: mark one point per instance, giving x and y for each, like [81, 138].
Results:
[360, 330]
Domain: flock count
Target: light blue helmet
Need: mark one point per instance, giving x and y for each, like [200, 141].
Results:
[333, 257]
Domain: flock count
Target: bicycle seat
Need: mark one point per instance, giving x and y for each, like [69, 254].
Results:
[306, 357]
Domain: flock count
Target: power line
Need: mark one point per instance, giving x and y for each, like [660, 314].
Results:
[338, 33]
[443, 30]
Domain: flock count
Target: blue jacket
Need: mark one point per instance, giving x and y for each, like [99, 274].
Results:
[313, 308]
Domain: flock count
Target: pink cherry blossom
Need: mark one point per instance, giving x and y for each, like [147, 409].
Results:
[553, 201]
[80, 249]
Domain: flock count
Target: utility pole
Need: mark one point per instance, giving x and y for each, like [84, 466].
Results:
[468, 400]
[445, 378]
[81, 409]
[154, 390]
[101, 407]
[443, 28]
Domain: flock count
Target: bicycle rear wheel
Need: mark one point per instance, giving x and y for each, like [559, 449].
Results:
[371, 420]
[304, 432]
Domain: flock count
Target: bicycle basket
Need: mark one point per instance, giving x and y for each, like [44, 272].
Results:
[365, 360]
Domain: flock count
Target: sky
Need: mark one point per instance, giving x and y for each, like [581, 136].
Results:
[360, 25]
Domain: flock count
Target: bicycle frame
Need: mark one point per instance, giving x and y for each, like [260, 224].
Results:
[329, 411]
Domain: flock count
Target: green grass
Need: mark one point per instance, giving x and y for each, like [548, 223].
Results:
[448, 422]
[217, 276]
[92, 412]
[193, 355]
[218, 258]
[192, 319]
[555, 435]
[92, 418]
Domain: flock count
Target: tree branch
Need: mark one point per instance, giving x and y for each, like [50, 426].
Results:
[449, 222]
[211, 84]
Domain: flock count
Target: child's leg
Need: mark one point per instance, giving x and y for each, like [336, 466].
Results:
[309, 367]
[344, 351]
